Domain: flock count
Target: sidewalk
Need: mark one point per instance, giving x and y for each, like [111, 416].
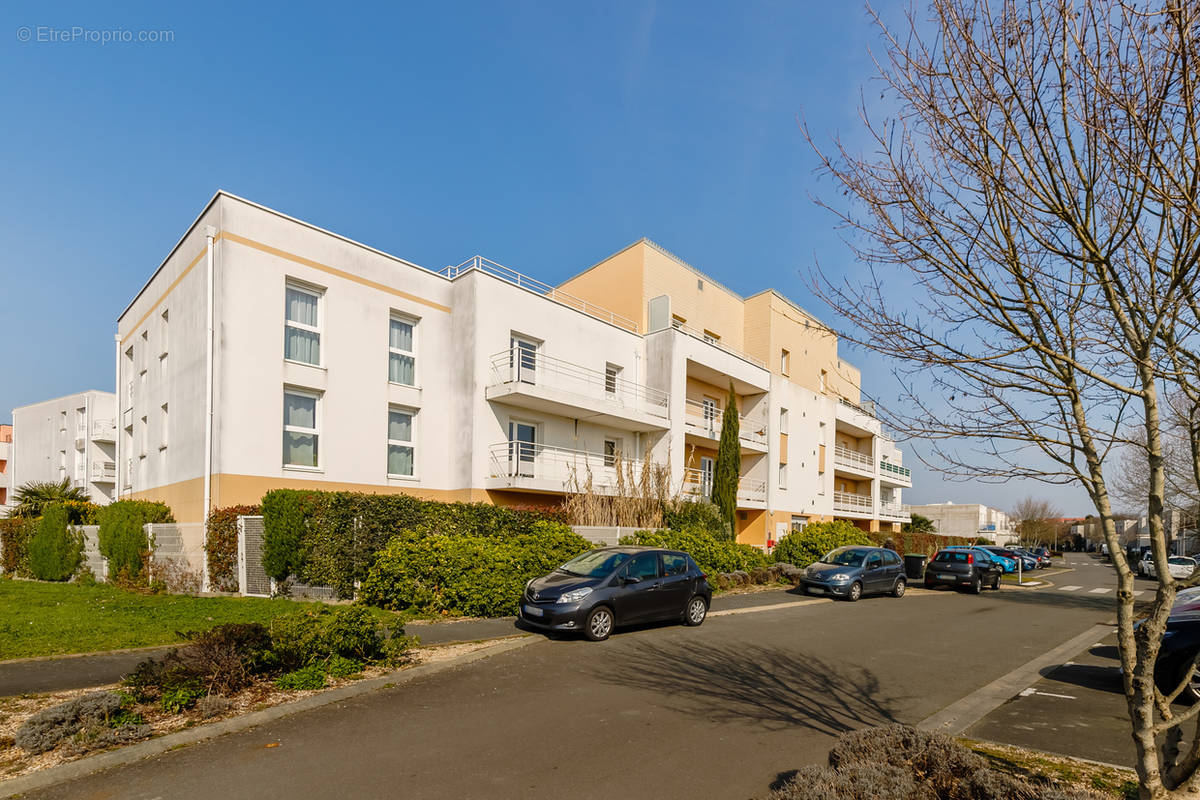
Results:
[31, 676]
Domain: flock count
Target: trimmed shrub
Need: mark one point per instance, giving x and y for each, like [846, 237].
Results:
[713, 555]
[933, 758]
[221, 542]
[922, 543]
[333, 538]
[56, 550]
[859, 782]
[50, 726]
[803, 547]
[479, 576]
[317, 637]
[122, 538]
[700, 515]
[81, 512]
[15, 533]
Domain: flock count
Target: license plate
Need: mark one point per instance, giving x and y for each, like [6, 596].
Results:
[533, 611]
[815, 590]
[947, 577]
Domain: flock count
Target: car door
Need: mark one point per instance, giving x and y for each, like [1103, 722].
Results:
[986, 565]
[637, 595]
[873, 573]
[893, 568]
[675, 588]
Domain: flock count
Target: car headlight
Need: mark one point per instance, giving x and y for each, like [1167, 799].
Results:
[841, 576]
[574, 596]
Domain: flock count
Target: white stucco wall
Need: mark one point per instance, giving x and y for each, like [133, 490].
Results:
[62, 438]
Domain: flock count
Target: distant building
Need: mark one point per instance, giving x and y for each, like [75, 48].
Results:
[5, 456]
[968, 520]
[71, 437]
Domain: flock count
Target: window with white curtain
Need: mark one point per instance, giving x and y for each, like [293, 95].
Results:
[302, 329]
[402, 360]
[301, 428]
[401, 453]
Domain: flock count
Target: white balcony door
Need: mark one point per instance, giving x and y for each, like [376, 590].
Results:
[523, 359]
[711, 414]
[521, 449]
[707, 468]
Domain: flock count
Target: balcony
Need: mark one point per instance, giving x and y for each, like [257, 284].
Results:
[507, 275]
[867, 408]
[858, 505]
[845, 458]
[856, 419]
[697, 485]
[104, 471]
[530, 379]
[535, 467]
[104, 430]
[705, 422]
[895, 474]
[896, 512]
[717, 343]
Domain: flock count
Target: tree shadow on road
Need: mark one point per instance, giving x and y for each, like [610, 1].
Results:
[773, 688]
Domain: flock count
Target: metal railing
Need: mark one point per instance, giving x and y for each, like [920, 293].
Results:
[535, 461]
[104, 430]
[517, 365]
[845, 457]
[867, 408]
[903, 472]
[717, 343]
[706, 420]
[896, 511]
[544, 289]
[697, 484]
[104, 469]
[855, 503]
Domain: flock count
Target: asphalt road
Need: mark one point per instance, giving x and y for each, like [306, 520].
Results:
[719, 711]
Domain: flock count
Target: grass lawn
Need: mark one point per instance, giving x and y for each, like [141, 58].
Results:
[42, 619]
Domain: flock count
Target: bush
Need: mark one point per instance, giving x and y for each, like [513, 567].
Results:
[317, 637]
[50, 726]
[933, 758]
[81, 512]
[15, 533]
[479, 576]
[333, 538]
[339, 667]
[803, 547]
[921, 543]
[221, 542]
[310, 677]
[213, 705]
[226, 658]
[713, 555]
[122, 537]
[55, 551]
[180, 698]
[859, 782]
[700, 515]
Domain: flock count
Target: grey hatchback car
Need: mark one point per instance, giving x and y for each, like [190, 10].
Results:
[851, 572]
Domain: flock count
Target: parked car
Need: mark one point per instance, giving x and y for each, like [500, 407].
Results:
[1180, 567]
[1029, 555]
[598, 590]
[1177, 653]
[1145, 563]
[851, 572]
[963, 569]
[1044, 555]
[1027, 562]
[1006, 564]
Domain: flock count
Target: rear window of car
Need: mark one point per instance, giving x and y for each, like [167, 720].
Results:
[890, 558]
[951, 555]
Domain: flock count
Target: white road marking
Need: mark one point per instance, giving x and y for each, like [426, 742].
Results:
[1139, 593]
[1031, 690]
[1069, 588]
[1101, 590]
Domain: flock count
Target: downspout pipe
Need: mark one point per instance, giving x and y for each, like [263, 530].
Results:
[118, 423]
[210, 234]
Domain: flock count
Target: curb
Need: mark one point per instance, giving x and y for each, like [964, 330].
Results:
[171, 741]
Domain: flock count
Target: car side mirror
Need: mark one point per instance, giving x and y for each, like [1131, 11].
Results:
[628, 579]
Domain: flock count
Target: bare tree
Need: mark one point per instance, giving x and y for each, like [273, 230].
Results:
[1029, 219]
[1133, 479]
[1037, 521]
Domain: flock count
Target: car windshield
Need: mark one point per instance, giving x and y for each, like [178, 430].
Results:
[848, 557]
[594, 563]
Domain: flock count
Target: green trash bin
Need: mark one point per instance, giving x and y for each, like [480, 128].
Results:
[914, 566]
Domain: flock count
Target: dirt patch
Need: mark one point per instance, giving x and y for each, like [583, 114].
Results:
[14, 711]
[1111, 780]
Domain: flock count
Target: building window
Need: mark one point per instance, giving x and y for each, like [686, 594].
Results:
[402, 361]
[612, 448]
[144, 438]
[162, 332]
[401, 455]
[612, 374]
[821, 380]
[783, 476]
[785, 361]
[62, 422]
[301, 428]
[165, 429]
[783, 420]
[798, 522]
[302, 330]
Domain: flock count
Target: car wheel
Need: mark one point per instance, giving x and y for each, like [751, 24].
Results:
[898, 589]
[996, 583]
[599, 624]
[976, 585]
[855, 591]
[695, 612]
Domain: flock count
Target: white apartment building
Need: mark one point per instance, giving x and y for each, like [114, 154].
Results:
[969, 520]
[332, 365]
[71, 437]
[6, 490]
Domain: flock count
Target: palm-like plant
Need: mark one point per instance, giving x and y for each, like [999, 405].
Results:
[32, 497]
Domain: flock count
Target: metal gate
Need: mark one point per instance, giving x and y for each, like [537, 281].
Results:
[252, 578]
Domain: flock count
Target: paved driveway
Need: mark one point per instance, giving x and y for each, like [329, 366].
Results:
[715, 712]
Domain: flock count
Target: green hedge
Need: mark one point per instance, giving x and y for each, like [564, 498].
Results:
[924, 543]
[463, 573]
[122, 539]
[807, 545]
[56, 550]
[333, 538]
[713, 555]
[221, 543]
[15, 533]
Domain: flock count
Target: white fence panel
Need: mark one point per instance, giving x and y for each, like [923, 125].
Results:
[252, 578]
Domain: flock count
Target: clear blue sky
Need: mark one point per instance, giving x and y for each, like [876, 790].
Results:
[543, 135]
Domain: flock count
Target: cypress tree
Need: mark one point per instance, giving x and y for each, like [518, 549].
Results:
[729, 465]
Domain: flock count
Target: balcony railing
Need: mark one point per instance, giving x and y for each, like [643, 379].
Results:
[104, 471]
[717, 343]
[104, 430]
[867, 408]
[534, 461]
[517, 365]
[895, 511]
[706, 420]
[845, 457]
[896, 469]
[544, 289]
[697, 484]
[853, 503]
